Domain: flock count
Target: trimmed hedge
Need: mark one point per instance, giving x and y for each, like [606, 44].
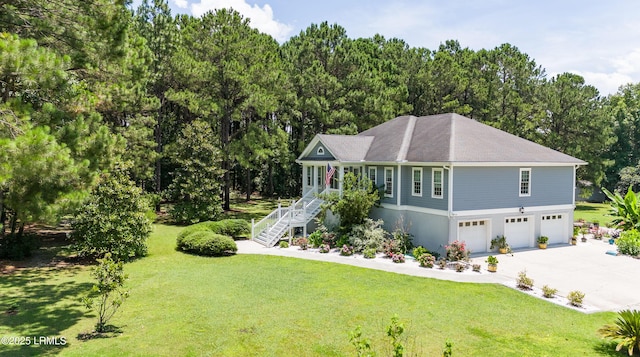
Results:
[207, 243]
[229, 227]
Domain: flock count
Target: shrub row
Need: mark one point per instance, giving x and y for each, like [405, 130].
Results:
[212, 238]
[234, 228]
[207, 243]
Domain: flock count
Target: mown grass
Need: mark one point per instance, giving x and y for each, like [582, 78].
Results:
[246, 305]
[593, 212]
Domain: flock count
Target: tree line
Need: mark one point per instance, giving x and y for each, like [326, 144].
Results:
[200, 107]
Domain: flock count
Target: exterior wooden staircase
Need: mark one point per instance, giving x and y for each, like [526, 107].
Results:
[284, 219]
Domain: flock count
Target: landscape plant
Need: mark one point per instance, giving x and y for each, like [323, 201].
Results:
[302, 242]
[112, 219]
[367, 235]
[576, 298]
[629, 242]
[625, 209]
[626, 330]
[476, 267]
[283, 244]
[398, 258]
[549, 292]
[426, 260]
[523, 282]
[369, 253]
[395, 331]
[402, 236]
[354, 205]
[324, 248]
[457, 251]
[418, 251]
[207, 243]
[346, 250]
[108, 293]
[315, 238]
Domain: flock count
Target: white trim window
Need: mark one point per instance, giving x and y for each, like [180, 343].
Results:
[309, 176]
[525, 182]
[417, 181]
[373, 175]
[437, 178]
[388, 182]
[335, 179]
[320, 151]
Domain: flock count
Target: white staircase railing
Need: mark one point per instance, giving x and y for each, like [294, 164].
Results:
[271, 228]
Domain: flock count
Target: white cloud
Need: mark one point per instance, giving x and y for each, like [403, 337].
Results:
[183, 4]
[261, 18]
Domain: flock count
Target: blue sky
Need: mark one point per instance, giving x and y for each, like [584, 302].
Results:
[599, 40]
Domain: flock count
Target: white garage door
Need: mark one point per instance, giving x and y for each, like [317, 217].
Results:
[519, 231]
[475, 234]
[555, 226]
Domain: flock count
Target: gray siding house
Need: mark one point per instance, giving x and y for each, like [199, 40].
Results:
[450, 178]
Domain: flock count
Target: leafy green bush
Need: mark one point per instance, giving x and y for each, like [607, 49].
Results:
[626, 329]
[230, 227]
[369, 253]
[315, 238]
[207, 243]
[112, 220]
[368, 235]
[629, 242]
[548, 291]
[575, 298]
[426, 260]
[418, 251]
[109, 289]
[283, 244]
[523, 281]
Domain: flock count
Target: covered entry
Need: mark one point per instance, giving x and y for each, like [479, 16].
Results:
[475, 234]
[555, 226]
[519, 231]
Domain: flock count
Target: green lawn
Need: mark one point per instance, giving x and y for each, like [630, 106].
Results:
[591, 212]
[244, 305]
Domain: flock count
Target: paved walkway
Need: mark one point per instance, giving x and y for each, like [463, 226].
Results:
[610, 283]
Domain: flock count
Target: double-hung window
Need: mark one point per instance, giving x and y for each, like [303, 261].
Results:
[436, 183]
[417, 181]
[373, 173]
[388, 181]
[525, 182]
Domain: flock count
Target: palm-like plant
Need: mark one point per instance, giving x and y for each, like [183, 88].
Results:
[626, 329]
[625, 209]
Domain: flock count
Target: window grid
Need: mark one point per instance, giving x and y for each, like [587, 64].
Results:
[525, 182]
[388, 182]
[417, 182]
[436, 189]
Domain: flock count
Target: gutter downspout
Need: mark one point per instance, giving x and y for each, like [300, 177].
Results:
[449, 189]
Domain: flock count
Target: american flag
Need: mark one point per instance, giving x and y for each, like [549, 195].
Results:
[330, 171]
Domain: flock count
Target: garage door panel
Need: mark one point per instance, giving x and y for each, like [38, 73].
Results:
[554, 226]
[475, 234]
[518, 231]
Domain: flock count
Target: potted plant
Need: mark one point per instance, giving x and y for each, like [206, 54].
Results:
[583, 232]
[492, 263]
[500, 242]
[574, 237]
[542, 242]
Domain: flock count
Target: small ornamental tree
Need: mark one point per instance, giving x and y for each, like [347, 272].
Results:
[113, 219]
[107, 294]
[358, 198]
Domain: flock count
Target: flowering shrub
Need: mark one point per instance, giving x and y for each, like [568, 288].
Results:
[426, 260]
[457, 251]
[398, 258]
[303, 243]
[390, 248]
[442, 263]
[460, 267]
[346, 250]
[368, 235]
[324, 248]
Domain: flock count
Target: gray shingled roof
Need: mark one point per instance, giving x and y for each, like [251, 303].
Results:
[347, 148]
[444, 138]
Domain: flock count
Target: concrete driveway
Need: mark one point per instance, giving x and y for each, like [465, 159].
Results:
[610, 283]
